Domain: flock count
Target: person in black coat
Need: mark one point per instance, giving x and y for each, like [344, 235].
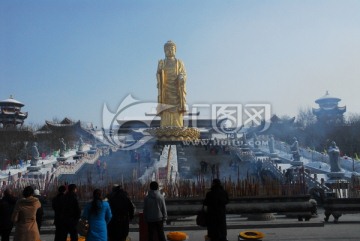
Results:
[7, 204]
[70, 214]
[122, 210]
[216, 200]
[56, 204]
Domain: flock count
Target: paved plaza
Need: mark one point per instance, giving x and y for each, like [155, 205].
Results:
[280, 229]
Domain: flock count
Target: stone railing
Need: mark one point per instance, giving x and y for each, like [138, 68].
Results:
[73, 168]
[300, 206]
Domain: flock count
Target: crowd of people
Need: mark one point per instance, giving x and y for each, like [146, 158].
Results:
[108, 216]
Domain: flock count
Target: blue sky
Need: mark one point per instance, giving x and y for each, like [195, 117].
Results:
[67, 58]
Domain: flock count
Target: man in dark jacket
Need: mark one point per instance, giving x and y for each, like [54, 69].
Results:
[56, 203]
[155, 213]
[70, 214]
[215, 200]
[122, 210]
[7, 204]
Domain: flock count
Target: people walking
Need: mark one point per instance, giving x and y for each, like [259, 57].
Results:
[70, 211]
[7, 204]
[122, 210]
[24, 217]
[216, 200]
[56, 204]
[155, 213]
[98, 214]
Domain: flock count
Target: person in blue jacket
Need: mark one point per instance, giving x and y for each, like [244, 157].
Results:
[98, 214]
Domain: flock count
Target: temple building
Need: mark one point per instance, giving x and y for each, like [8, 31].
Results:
[10, 113]
[329, 112]
[68, 129]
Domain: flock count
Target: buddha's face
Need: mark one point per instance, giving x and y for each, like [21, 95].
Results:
[170, 51]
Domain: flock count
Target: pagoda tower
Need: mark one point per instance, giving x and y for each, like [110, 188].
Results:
[329, 112]
[10, 113]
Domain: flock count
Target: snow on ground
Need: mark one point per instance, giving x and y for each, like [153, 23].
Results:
[46, 163]
[318, 161]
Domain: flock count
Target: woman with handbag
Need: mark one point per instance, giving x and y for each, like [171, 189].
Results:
[98, 214]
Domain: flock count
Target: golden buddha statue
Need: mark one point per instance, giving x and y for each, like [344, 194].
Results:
[171, 78]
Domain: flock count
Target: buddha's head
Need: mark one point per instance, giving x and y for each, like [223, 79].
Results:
[170, 49]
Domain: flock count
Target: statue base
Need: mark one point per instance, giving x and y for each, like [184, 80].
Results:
[61, 159]
[296, 163]
[336, 175]
[33, 168]
[336, 181]
[175, 133]
[90, 152]
[77, 157]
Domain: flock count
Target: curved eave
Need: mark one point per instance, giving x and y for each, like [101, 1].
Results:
[11, 102]
[343, 109]
[339, 110]
[17, 121]
[58, 125]
[10, 117]
[326, 98]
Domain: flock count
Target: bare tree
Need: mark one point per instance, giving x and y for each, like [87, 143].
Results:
[12, 143]
[305, 118]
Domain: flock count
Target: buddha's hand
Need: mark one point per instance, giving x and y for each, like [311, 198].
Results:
[181, 78]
